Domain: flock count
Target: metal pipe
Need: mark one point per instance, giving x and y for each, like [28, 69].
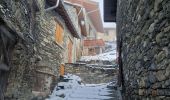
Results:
[51, 8]
[93, 11]
[76, 5]
[80, 11]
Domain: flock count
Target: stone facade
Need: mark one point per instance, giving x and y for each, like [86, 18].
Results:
[144, 29]
[108, 36]
[36, 57]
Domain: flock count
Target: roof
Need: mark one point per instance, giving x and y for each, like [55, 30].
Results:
[81, 17]
[94, 12]
[64, 14]
[94, 43]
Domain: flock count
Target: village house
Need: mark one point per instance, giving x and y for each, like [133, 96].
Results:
[63, 23]
[47, 35]
[83, 25]
[93, 47]
[93, 24]
[108, 36]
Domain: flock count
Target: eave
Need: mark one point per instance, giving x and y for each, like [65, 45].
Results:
[81, 16]
[95, 16]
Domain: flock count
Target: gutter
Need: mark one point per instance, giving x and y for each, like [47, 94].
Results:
[93, 11]
[74, 4]
[80, 11]
[53, 7]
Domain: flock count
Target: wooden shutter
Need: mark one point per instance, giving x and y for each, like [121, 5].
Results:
[59, 34]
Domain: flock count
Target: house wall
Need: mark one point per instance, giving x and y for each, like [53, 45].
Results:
[36, 48]
[91, 31]
[96, 50]
[74, 17]
[79, 49]
[144, 28]
[85, 51]
[108, 36]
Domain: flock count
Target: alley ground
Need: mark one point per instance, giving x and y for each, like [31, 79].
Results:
[74, 90]
[97, 92]
[89, 79]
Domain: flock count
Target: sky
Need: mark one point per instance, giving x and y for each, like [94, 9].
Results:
[110, 25]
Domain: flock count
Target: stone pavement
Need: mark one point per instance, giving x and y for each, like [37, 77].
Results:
[95, 92]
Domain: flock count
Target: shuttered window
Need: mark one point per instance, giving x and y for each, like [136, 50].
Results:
[59, 34]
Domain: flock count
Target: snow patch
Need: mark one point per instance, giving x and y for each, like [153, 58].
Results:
[108, 56]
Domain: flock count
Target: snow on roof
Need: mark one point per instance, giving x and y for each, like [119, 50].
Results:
[108, 56]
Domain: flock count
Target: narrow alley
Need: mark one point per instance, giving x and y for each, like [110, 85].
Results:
[84, 49]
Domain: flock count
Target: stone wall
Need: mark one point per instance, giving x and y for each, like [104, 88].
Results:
[91, 75]
[16, 15]
[144, 28]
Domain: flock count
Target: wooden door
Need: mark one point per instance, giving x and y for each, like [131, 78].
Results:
[62, 70]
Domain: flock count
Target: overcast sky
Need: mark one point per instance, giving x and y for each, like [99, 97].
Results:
[101, 9]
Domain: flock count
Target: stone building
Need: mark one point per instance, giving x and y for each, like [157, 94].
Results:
[109, 35]
[92, 13]
[91, 21]
[93, 47]
[36, 41]
[144, 43]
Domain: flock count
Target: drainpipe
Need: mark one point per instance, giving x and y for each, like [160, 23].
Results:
[80, 11]
[51, 8]
[93, 11]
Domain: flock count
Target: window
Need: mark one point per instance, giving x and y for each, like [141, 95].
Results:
[59, 34]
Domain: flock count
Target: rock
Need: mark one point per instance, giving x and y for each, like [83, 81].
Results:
[142, 82]
[160, 92]
[167, 51]
[1, 6]
[156, 5]
[154, 92]
[141, 92]
[167, 83]
[160, 56]
[156, 85]
[138, 65]
[166, 92]
[160, 75]
[151, 28]
[159, 37]
[167, 29]
[152, 67]
[152, 78]
[134, 84]
[167, 72]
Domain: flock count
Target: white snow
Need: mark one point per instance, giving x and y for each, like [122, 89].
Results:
[108, 56]
[75, 91]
